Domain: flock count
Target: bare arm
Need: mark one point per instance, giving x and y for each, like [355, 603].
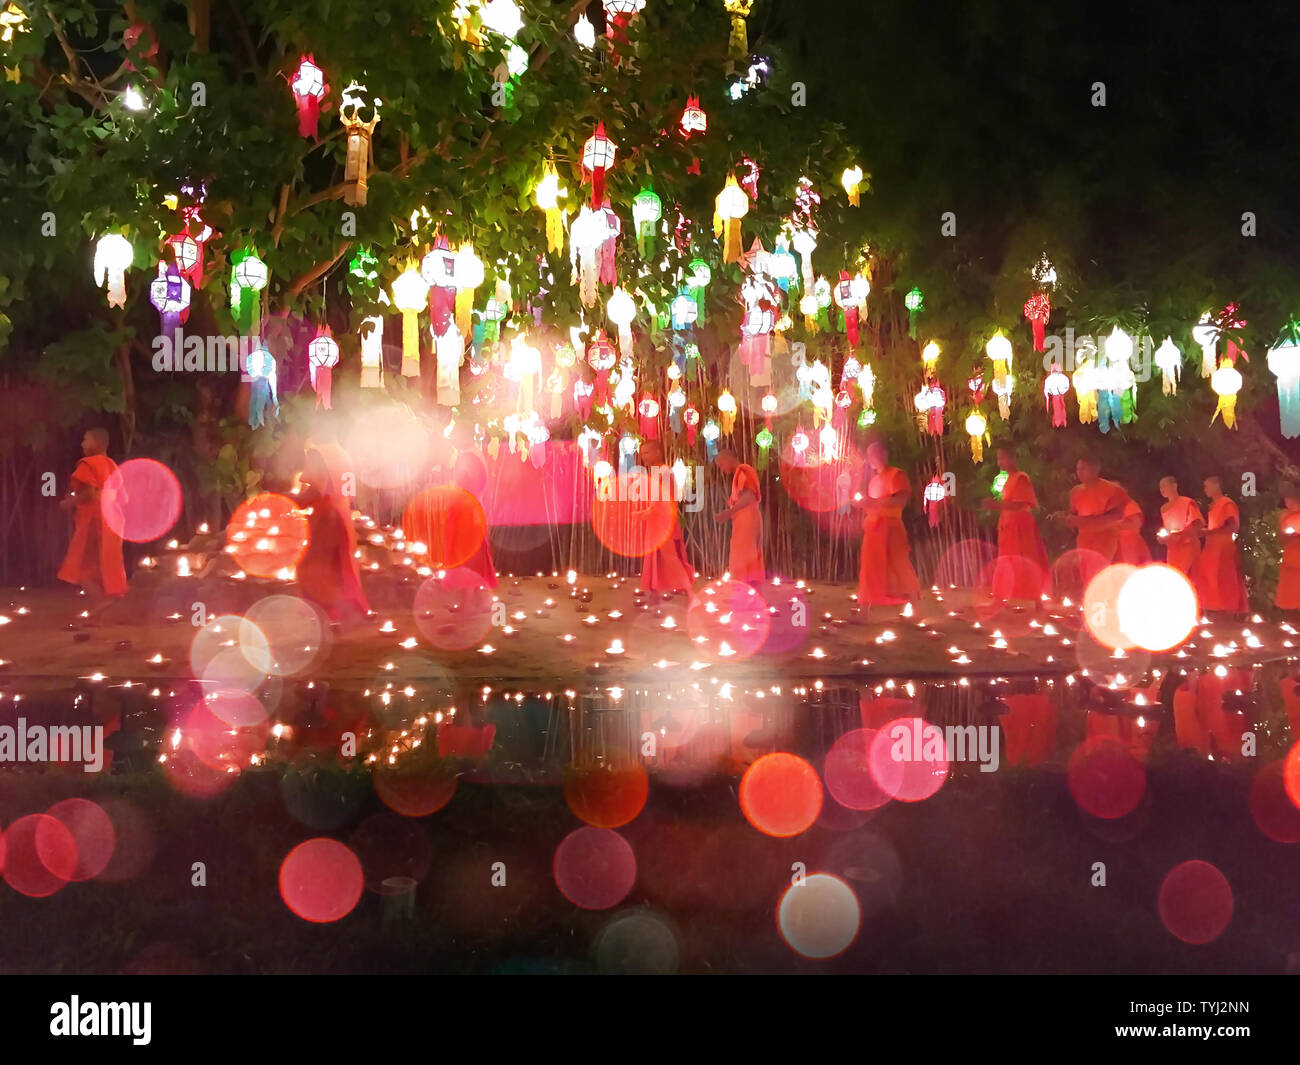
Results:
[745, 499]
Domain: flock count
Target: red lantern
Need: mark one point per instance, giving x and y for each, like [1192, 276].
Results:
[976, 387]
[649, 411]
[1037, 309]
[598, 156]
[934, 495]
[691, 419]
[694, 119]
[1055, 387]
[601, 356]
[309, 89]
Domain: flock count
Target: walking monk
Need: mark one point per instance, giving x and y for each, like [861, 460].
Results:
[1218, 572]
[885, 573]
[1288, 573]
[1096, 508]
[94, 558]
[746, 557]
[328, 573]
[666, 568]
[1021, 569]
[1130, 546]
[1181, 525]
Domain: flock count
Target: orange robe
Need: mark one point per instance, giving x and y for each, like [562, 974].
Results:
[1091, 500]
[1218, 572]
[1131, 548]
[885, 573]
[328, 573]
[1288, 573]
[666, 568]
[1182, 551]
[1025, 575]
[746, 559]
[94, 555]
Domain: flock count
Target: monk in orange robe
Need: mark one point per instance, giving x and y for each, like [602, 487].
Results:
[1024, 574]
[1181, 523]
[94, 558]
[328, 573]
[1218, 571]
[666, 568]
[1288, 573]
[1130, 546]
[745, 562]
[885, 573]
[1096, 508]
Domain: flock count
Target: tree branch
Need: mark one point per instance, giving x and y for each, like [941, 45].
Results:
[316, 272]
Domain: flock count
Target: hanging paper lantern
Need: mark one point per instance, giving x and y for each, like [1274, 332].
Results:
[583, 392]
[975, 386]
[524, 368]
[621, 309]
[646, 211]
[769, 403]
[866, 418]
[587, 239]
[738, 43]
[782, 266]
[469, 275]
[851, 179]
[608, 249]
[1226, 382]
[648, 410]
[449, 356]
[438, 268]
[929, 359]
[1085, 389]
[694, 119]
[1169, 360]
[113, 255]
[805, 243]
[731, 205]
[799, 442]
[503, 17]
[764, 440]
[929, 403]
[309, 89]
[977, 427]
[727, 408]
[1055, 387]
[829, 440]
[1118, 346]
[998, 350]
[1284, 362]
[617, 15]
[1206, 334]
[260, 370]
[597, 157]
[372, 349]
[357, 165]
[698, 281]
[914, 302]
[187, 255]
[690, 419]
[933, 496]
[169, 292]
[1038, 308]
[601, 357]
[248, 276]
[547, 196]
[684, 311]
[497, 309]
[711, 432]
[322, 357]
[410, 292]
[847, 301]
[584, 32]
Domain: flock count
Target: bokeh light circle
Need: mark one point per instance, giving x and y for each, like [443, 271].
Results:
[283, 635]
[453, 609]
[321, 880]
[415, 788]
[267, 534]
[40, 855]
[1104, 778]
[637, 944]
[733, 619]
[909, 759]
[92, 834]
[1101, 606]
[1157, 607]
[1195, 902]
[141, 500]
[607, 788]
[1271, 807]
[594, 868]
[781, 794]
[626, 519]
[819, 917]
[448, 521]
[850, 776]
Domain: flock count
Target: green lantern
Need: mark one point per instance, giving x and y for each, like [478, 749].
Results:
[867, 418]
[913, 302]
[646, 211]
[699, 280]
[999, 482]
[764, 441]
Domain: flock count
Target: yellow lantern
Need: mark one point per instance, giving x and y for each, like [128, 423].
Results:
[410, 294]
[732, 204]
[998, 349]
[930, 358]
[727, 408]
[977, 426]
[547, 195]
[357, 162]
[739, 41]
[1226, 382]
[851, 179]
[1085, 389]
[469, 275]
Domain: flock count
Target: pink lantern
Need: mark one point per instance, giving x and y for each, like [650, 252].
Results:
[1055, 387]
[322, 357]
[694, 118]
[648, 409]
[691, 419]
[1038, 309]
[309, 89]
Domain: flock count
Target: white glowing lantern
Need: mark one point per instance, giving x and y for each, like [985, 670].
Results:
[1169, 360]
[322, 357]
[976, 427]
[730, 206]
[1119, 346]
[503, 17]
[372, 349]
[851, 179]
[621, 309]
[1206, 334]
[805, 243]
[684, 310]
[584, 32]
[1284, 362]
[113, 255]
[867, 383]
[469, 275]
[829, 440]
[587, 235]
[1226, 382]
[410, 293]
